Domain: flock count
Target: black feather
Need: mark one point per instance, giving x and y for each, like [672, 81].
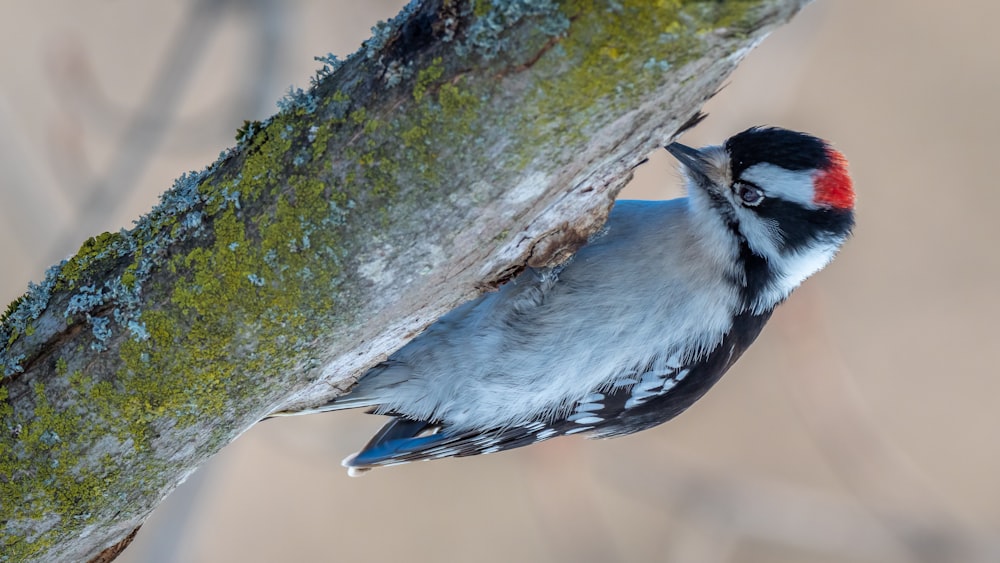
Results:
[788, 149]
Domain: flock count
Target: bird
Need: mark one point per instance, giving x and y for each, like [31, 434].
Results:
[635, 327]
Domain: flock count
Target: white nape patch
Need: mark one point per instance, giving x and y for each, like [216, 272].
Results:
[790, 185]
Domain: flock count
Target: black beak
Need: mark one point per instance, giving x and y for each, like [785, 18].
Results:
[692, 159]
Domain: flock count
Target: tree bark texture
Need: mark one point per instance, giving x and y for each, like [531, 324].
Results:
[462, 142]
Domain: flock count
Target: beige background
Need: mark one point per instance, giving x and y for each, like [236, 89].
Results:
[861, 427]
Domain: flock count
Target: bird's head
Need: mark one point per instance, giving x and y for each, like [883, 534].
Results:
[786, 198]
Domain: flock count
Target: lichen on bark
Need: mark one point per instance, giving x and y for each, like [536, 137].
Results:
[420, 170]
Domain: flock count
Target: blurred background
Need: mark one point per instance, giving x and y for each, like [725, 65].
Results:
[861, 427]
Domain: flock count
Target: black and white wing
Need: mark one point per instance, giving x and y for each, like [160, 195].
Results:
[648, 397]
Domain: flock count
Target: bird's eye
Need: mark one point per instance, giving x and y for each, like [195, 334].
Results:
[749, 194]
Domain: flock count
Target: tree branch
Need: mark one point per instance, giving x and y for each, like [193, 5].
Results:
[463, 141]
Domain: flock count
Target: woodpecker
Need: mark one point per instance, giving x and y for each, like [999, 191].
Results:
[636, 327]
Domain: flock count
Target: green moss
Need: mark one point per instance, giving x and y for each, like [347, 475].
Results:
[248, 303]
[406, 148]
[266, 157]
[10, 309]
[88, 261]
[629, 60]
[734, 15]
[459, 108]
[248, 127]
[257, 283]
[59, 483]
[358, 116]
[615, 60]
[426, 77]
[321, 141]
[233, 308]
[482, 8]
[129, 275]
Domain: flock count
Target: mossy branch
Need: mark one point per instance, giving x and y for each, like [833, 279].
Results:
[463, 141]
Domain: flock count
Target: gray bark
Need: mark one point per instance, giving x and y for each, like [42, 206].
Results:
[462, 142]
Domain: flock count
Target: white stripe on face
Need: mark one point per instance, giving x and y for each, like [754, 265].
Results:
[790, 185]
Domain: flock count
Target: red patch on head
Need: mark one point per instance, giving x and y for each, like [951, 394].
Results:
[833, 184]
